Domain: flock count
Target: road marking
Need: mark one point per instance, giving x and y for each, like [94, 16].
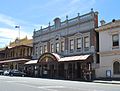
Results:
[51, 87]
[16, 81]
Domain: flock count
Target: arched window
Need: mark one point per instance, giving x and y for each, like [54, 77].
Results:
[116, 67]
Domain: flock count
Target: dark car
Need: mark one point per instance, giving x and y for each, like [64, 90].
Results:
[1, 72]
[17, 73]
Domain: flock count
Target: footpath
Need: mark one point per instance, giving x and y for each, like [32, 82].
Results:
[107, 82]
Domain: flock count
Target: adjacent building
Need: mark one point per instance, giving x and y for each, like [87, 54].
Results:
[67, 49]
[16, 54]
[109, 49]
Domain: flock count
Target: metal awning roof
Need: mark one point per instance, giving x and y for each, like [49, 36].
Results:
[14, 60]
[74, 58]
[32, 62]
[71, 58]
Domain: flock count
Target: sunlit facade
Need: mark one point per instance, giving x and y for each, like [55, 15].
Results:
[72, 38]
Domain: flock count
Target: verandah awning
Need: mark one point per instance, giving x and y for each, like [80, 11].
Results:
[74, 58]
[64, 59]
[32, 62]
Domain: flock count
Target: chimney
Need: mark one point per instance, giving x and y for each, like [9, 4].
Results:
[113, 20]
[102, 22]
[57, 22]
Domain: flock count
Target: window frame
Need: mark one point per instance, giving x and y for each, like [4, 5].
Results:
[52, 48]
[114, 44]
[86, 42]
[79, 43]
[41, 49]
[45, 48]
[72, 45]
[62, 46]
[57, 47]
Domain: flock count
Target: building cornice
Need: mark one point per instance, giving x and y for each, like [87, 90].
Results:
[108, 26]
[109, 53]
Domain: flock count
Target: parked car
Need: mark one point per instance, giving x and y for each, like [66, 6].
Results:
[17, 73]
[1, 72]
[6, 72]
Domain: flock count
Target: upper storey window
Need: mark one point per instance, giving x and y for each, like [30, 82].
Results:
[115, 40]
[71, 45]
[57, 47]
[41, 51]
[52, 48]
[45, 48]
[62, 46]
[79, 43]
[86, 42]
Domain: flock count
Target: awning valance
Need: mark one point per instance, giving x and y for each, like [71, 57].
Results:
[32, 62]
[14, 60]
[74, 58]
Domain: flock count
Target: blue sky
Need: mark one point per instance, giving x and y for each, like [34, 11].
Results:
[31, 14]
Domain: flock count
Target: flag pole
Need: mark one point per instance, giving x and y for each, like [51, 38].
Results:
[19, 35]
[18, 27]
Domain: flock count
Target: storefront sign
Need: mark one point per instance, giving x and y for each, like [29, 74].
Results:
[108, 73]
[46, 57]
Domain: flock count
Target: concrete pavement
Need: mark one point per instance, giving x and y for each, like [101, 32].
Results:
[37, 84]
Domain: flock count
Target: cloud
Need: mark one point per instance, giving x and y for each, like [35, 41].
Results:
[11, 34]
[63, 8]
[7, 20]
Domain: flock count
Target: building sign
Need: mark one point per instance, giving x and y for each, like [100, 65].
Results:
[108, 73]
[46, 57]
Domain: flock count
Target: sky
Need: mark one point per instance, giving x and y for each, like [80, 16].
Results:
[32, 14]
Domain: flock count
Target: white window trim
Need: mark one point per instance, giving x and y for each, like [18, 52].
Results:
[84, 35]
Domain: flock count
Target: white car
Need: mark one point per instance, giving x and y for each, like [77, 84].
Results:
[6, 72]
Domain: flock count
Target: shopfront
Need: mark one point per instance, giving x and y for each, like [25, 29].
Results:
[51, 65]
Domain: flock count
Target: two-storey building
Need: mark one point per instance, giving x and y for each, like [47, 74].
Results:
[109, 50]
[16, 54]
[67, 49]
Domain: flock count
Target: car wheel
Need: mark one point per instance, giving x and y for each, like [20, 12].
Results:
[23, 75]
[11, 74]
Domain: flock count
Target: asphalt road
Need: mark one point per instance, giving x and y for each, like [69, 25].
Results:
[37, 84]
